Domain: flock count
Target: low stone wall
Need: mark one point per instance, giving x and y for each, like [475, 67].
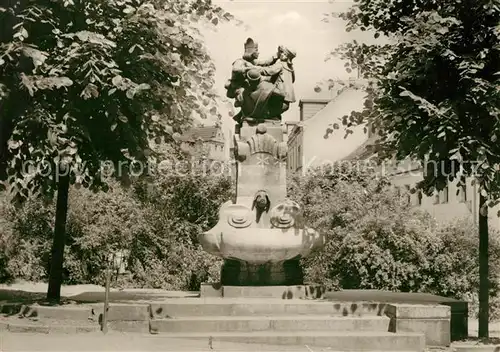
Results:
[417, 312]
[283, 292]
[431, 320]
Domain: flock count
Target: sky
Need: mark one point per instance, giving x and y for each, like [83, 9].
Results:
[297, 24]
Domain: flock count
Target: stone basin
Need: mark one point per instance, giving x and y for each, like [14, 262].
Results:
[261, 245]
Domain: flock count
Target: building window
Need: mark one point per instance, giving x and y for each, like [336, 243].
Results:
[299, 161]
[463, 194]
[445, 195]
[296, 159]
[436, 198]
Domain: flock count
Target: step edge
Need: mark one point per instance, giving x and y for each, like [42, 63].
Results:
[264, 317]
[296, 333]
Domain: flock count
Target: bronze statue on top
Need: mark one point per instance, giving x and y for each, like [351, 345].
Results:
[249, 60]
[262, 88]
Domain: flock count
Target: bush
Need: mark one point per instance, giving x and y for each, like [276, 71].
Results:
[377, 240]
[179, 207]
[99, 224]
[25, 240]
[457, 269]
[156, 223]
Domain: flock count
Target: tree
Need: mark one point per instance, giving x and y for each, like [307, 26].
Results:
[86, 81]
[154, 224]
[376, 239]
[435, 96]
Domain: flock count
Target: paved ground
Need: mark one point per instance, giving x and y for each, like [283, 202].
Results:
[85, 293]
[113, 341]
[93, 293]
[120, 342]
[42, 288]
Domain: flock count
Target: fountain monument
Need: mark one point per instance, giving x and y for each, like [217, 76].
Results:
[261, 235]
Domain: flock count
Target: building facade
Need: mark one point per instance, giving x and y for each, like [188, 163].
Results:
[208, 141]
[313, 141]
[447, 205]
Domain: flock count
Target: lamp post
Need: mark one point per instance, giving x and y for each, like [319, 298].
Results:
[110, 261]
[114, 263]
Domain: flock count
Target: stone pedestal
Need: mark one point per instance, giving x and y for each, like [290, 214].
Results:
[262, 235]
[240, 273]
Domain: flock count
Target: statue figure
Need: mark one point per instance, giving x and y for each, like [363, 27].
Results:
[255, 97]
[262, 91]
[249, 60]
[261, 234]
[282, 75]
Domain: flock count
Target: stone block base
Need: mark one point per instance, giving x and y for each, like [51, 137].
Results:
[431, 320]
[238, 273]
[210, 290]
[459, 309]
[279, 292]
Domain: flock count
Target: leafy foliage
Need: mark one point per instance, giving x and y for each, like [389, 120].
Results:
[156, 224]
[457, 263]
[367, 59]
[25, 235]
[374, 238]
[179, 208]
[436, 93]
[83, 81]
[377, 240]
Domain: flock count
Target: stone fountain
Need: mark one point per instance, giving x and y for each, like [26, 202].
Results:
[261, 235]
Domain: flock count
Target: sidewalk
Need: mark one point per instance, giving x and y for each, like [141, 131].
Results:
[93, 293]
[41, 288]
[86, 293]
[113, 341]
[139, 343]
[494, 328]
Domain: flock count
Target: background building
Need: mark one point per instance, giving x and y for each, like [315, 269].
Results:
[208, 141]
[312, 142]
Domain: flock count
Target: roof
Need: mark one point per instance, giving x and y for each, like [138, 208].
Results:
[354, 83]
[352, 91]
[364, 151]
[205, 133]
[293, 133]
[314, 101]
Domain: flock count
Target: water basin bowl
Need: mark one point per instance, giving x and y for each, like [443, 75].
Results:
[261, 245]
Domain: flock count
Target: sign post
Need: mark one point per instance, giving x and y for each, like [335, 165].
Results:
[104, 326]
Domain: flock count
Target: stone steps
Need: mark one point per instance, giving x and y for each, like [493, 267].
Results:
[339, 341]
[248, 307]
[47, 326]
[269, 323]
[341, 326]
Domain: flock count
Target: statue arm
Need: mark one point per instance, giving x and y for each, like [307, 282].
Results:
[271, 70]
[240, 66]
[266, 62]
[277, 92]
